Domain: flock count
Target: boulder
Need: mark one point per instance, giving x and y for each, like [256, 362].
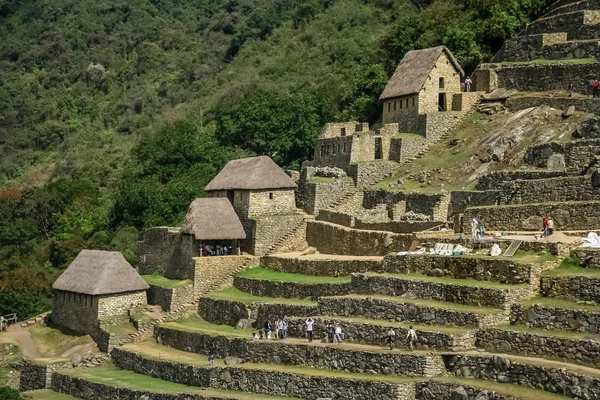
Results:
[245, 323]
[232, 360]
[459, 394]
[482, 395]
[568, 111]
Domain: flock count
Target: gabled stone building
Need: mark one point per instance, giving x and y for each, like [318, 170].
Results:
[96, 284]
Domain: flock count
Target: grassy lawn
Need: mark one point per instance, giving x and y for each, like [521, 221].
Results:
[429, 303]
[453, 281]
[160, 281]
[450, 330]
[124, 329]
[53, 341]
[47, 395]
[409, 136]
[549, 333]
[559, 303]
[516, 391]
[197, 324]
[570, 267]
[321, 179]
[233, 294]
[268, 275]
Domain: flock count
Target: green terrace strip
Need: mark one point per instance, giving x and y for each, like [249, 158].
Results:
[559, 303]
[112, 376]
[409, 136]
[552, 364]
[160, 281]
[568, 269]
[516, 391]
[450, 330]
[544, 61]
[124, 329]
[550, 333]
[321, 179]
[47, 395]
[447, 305]
[452, 281]
[197, 324]
[234, 294]
[268, 275]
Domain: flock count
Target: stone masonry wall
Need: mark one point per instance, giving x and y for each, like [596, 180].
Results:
[554, 318]
[585, 104]
[166, 251]
[528, 344]
[258, 287]
[320, 267]
[259, 381]
[428, 96]
[531, 47]
[461, 200]
[170, 299]
[267, 230]
[579, 155]
[441, 390]
[271, 202]
[400, 108]
[415, 202]
[120, 304]
[572, 287]
[304, 355]
[561, 189]
[75, 311]
[318, 196]
[405, 149]
[351, 221]
[588, 257]
[493, 180]
[211, 272]
[334, 239]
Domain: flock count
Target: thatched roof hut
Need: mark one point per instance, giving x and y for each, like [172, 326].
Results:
[414, 69]
[213, 219]
[256, 173]
[97, 272]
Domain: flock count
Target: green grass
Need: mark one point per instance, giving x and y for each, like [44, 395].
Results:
[549, 333]
[52, 341]
[197, 324]
[408, 136]
[8, 357]
[560, 303]
[570, 267]
[321, 179]
[516, 391]
[47, 395]
[268, 275]
[233, 294]
[160, 281]
[453, 281]
[111, 375]
[124, 329]
[447, 305]
[450, 330]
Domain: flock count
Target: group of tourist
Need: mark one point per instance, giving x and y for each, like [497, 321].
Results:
[411, 338]
[548, 226]
[595, 89]
[218, 250]
[281, 330]
[477, 228]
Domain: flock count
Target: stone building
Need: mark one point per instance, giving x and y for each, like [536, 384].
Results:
[424, 82]
[212, 222]
[96, 285]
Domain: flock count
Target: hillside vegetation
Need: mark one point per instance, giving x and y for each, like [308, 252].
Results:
[115, 114]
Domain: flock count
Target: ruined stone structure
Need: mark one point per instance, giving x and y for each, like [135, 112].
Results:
[96, 285]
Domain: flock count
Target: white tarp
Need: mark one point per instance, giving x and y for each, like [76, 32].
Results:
[592, 240]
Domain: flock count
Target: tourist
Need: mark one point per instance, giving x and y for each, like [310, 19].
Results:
[391, 338]
[212, 354]
[596, 88]
[285, 329]
[309, 329]
[276, 326]
[571, 89]
[267, 327]
[255, 336]
[468, 83]
[550, 226]
[260, 335]
[3, 324]
[411, 337]
[330, 333]
[481, 227]
[339, 336]
[545, 226]
[474, 228]
[280, 329]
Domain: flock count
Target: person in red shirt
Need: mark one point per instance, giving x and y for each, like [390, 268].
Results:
[545, 223]
[596, 88]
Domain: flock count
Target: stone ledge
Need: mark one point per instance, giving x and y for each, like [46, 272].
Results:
[320, 267]
[540, 316]
[288, 290]
[589, 258]
[582, 288]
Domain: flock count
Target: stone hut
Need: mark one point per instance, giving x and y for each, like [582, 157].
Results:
[96, 285]
[212, 222]
[255, 187]
[424, 82]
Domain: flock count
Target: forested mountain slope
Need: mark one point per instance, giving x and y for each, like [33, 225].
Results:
[115, 114]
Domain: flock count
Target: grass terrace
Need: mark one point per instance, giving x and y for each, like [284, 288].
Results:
[47, 395]
[452, 281]
[197, 324]
[322, 179]
[156, 280]
[570, 267]
[52, 341]
[409, 136]
[545, 61]
[448, 329]
[516, 391]
[560, 303]
[268, 275]
[233, 294]
[550, 333]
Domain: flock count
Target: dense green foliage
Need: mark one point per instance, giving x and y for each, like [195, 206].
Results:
[115, 114]
[7, 393]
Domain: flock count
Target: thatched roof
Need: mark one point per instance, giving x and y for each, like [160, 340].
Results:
[97, 272]
[254, 173]
[213, 219]
[414, 69]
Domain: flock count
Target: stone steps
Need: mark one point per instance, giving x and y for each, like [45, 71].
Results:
[435, 313]
[554, 314]
[460, 291]
[572, 347]
[572, 6]
[574, 23]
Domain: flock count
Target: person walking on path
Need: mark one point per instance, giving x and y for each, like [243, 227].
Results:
[474, 228]
[595, 88]
[545, 226]
[212, 354]
[267, 329]
[468, 83]
[276, 326]
[571, 90]
[309, 329]
[280, 327]
[550, 226]
[330, 333]
[339, 336]
[391, 338]
[411, 337]
[481, 227]
[285, 329]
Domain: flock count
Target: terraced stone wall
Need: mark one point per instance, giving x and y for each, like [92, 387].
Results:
[170, 299]
[320, 267]
[503, 370]
[589, 258]
[589, 105]
[261, 381]
[561, 189]
[461, 200]
[482, 269]
[440, 390]
[578, 155]
[351, 221]
[493, 180]
[288, 290]
[333, 239]
[265, 231]
[547, 317]
[212, 271]
[366, 174]
[416, 202]
[571, 288]
[548, 46]
[530, 344]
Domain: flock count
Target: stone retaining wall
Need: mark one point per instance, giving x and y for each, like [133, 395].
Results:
[578, 155]
[319, 267]
[351, 221]
[533, 345]
[587, 104]
[545, 317]
[461, 294]
[481, 269]
[289, 290]
[503, 370]
[561, 189]
[589, 258]
[277, 352]
[170, 299]
[571, 287]
[211, 272]
[439, 390]
[334, 239]
[312, 196]
[374, 308]
[260, 381]
[461, 200]
[494, 180]
[416, 202]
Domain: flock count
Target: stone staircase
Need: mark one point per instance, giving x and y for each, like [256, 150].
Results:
[293, 232]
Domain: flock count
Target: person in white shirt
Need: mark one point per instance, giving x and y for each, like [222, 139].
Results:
[309, 329]
[339, 336]
[411, 337]
[255, 336]
[391, 338]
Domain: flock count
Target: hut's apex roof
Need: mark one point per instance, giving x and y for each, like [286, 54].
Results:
[414, 69]
[97, 272]
[254, 173]
[213, 219]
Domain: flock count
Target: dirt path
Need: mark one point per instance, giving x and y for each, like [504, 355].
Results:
[320, 256]
[23, 337]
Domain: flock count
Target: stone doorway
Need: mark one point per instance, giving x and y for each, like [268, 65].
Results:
[378, 149]
[442, 102]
